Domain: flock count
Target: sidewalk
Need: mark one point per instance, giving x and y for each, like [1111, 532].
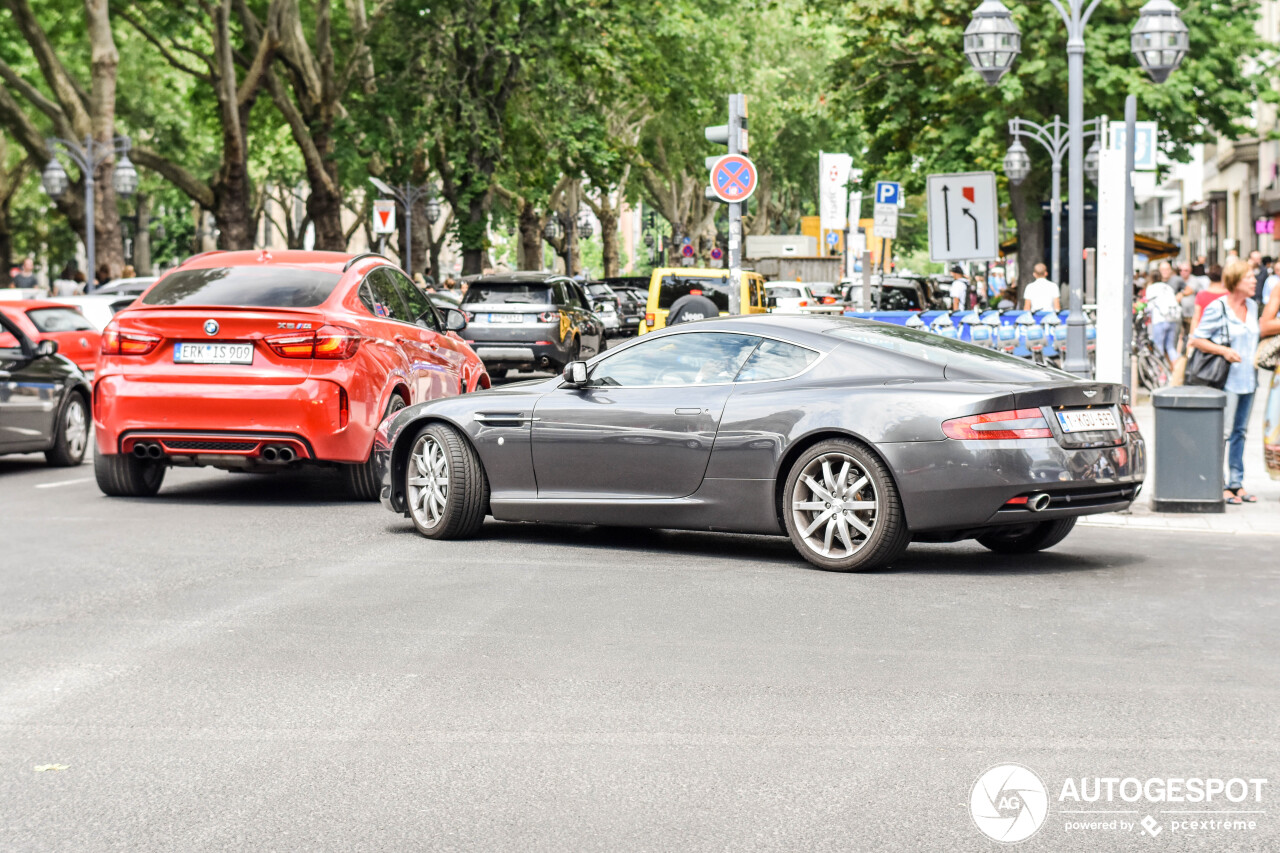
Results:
[1262, 518]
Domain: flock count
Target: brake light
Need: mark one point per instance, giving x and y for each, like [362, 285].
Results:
[549, 317]
[804, 303]
[327, 342]
[117, 341]
[693, 291]
[828, 300]
[1016, 423]
[648, 320]
[1126, 418]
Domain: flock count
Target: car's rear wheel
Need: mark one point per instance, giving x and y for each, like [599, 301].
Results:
[362, 477]
[123, 475]
[445, 486]
[72, 435]
[842, 509]
[1027, 538]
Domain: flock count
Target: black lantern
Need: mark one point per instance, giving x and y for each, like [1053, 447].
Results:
[1159, 39]
[992, 40]
[552, 230]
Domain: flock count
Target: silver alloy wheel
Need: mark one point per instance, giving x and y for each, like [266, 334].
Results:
[76, 428]
[428, 481]
[834, 505]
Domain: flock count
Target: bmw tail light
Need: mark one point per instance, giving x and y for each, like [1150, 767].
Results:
[293, 345]
[1126, 417]
[1015, 423]
[117, 341]
[336, 342]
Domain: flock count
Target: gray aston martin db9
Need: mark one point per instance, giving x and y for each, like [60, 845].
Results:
[851, 437]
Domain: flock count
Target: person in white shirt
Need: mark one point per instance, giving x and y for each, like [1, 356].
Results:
[959, 289]
[1041, 294]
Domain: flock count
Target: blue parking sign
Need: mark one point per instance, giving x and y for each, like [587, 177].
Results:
[888, 192]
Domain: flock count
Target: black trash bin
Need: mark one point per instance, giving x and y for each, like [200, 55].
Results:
[1189, 449]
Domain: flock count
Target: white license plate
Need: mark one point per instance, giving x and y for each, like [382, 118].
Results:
[506, 318]
[213, 353]
[1088, 420]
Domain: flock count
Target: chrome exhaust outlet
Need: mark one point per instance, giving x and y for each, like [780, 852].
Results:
[269, 453]
[154, 451]
[140, 450]
[285, 454]
[1038, 502]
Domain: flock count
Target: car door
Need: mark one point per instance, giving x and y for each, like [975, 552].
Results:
[384, 301]
[645, 425]
[437, 362]
[30, 390]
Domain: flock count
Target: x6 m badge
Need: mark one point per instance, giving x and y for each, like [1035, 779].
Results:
[293, 325]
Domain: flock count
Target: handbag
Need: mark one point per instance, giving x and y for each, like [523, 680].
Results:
[1209, 369]
[1268, 353]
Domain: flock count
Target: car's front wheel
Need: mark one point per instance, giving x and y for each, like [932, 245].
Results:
[445, 486]
[72, 436]
[1027, 538]
[123, 475]
[842, 510]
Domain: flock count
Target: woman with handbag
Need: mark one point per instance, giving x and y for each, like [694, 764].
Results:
[1226, 340]
[1269, 359]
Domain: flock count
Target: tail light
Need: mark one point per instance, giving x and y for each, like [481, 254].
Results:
[804, 303]
[327, 342]
[1015, 423]
[649, 320]
[1126, 418]
[117, 341]
[549, 317]
[828, 300]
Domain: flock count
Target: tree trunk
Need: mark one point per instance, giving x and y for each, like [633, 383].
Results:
[103, 62]
[142, 240]
[530, 254]
[6, 242]
[1031, 250]
[323, 204]
[611, 253]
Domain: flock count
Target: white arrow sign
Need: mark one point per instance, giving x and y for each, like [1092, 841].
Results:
[962, 217]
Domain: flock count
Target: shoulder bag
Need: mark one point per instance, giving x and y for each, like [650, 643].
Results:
[1210, 369]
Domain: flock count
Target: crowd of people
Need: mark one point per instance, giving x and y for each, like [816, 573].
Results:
[70, 281]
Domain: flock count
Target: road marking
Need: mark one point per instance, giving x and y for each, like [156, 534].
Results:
[63, 483]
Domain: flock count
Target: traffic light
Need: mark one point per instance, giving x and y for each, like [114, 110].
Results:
[733, 135]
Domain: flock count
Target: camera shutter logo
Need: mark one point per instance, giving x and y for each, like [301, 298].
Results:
[1009, 803]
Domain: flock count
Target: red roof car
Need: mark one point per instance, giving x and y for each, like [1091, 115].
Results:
[260, 360]
[77, 338]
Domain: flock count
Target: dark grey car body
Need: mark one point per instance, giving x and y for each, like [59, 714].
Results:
[34, 390]
[713, 457]
[544, 334]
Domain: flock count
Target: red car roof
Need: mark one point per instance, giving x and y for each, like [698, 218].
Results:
[25, 305]
[319, 261]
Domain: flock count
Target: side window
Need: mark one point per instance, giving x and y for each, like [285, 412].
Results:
[575, 299]
[558, 293]
[380, 296]
[757, 292]
[775, 360]
[692, 358]
[420, 308]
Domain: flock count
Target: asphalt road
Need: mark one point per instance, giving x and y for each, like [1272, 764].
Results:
[254, 663]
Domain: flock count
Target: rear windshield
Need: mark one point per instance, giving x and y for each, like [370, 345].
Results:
[509, 293]
[255, 287]
[675, 286]
[944, 351]
[784, 292]
[59, 320]
[890, 299]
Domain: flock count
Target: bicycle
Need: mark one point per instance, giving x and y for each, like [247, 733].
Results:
[1154, 370]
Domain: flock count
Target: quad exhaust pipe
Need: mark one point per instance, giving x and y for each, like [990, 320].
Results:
[147, 450]
[1038, 502]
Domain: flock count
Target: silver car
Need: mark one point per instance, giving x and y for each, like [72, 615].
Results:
[530, 321]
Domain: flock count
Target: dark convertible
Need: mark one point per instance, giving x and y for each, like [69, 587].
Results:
[852, 437]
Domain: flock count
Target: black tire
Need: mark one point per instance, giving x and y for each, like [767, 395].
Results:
[123, 475]
[362, 479]
[451, 496]
[498, 373]
[881, 527]
[1027, 538]
[71, 435]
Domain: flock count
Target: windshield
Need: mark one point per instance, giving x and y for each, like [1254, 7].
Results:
[257, 287]
[944, 351]
[674, 286]
[821, 288]
[59, 320]
[509, 293]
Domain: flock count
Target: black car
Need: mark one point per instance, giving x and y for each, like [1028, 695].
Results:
[530, 321]
[894, 293]
[633, 293]
[44, 399]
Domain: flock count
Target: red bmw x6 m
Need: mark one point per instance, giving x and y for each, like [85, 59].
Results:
[262, 360]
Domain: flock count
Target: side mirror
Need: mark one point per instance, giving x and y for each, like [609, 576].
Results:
[454, 320]
[575, 373]
[46, 348]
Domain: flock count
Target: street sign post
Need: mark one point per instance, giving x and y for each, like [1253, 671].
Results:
[733, 180]
[384, 216]
[1145, 139]
[962, 217]
[887, 203]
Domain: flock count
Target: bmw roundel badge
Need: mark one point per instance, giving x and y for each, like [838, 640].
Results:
[211, 327]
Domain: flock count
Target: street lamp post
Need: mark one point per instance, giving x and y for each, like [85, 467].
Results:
[1158, 40]
[407, 195]
[1054, 137]
[88, 157]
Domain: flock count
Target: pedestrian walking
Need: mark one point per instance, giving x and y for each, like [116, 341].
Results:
[1041, 294]
[1165, 314]
[1273, 278]
[959, 289]
[26, 277]
[1269, 359]
[1233, 319]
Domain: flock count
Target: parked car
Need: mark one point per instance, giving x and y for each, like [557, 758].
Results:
[887, 294]
[789, 297]
[607, 304]
[827, 292]
[778, 425]
[255, 361]
[667, 284]
[530, 321]
[40, 320]
[98, 309]
[134, 286]
[44, 398]
[633, 293]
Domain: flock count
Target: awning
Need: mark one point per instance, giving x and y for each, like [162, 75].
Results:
[1150, 247]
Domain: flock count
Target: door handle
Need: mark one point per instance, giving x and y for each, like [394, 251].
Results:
[694, 411]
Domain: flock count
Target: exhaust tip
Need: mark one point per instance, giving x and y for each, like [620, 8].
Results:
[154, 451]
[269, 454]
[285, 454]
[1038, 502]
[140, 450]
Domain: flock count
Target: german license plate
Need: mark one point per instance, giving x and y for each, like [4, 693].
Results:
[186, 353]
[1088, 420]
[506, 318]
